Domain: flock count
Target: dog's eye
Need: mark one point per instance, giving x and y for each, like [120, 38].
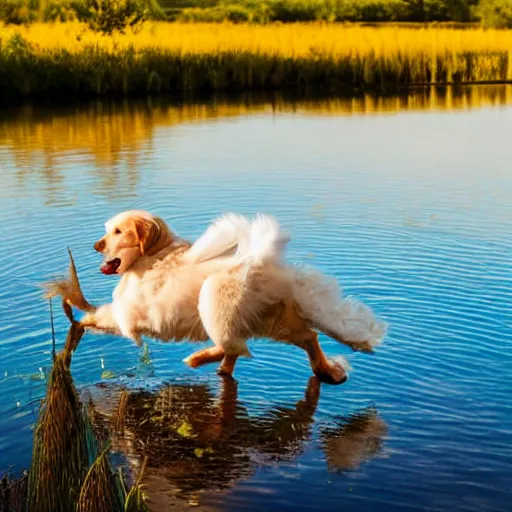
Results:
[117, 231]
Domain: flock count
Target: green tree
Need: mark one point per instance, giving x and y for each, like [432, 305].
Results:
[16, 12]
[108, 16]
[495, 13]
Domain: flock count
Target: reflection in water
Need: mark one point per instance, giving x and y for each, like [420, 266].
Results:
[196, 443]
[358, 440]
[113, 134]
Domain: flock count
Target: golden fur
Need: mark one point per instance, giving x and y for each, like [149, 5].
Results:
[171, 290]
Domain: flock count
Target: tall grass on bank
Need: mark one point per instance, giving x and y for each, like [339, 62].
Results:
[68, 59]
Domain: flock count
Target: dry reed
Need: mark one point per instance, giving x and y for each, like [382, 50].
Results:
[62, 445]
[101, 490]
[66, 474]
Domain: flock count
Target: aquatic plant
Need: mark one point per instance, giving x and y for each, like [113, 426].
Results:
[136, 499]
[13, 493]
[101, 491]
[67, 473]
[62, 442]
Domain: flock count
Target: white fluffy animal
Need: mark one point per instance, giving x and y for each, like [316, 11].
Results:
[232, 284]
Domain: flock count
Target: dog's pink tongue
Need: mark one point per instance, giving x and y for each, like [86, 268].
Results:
[110, 267]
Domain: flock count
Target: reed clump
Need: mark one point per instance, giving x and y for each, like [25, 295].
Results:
[101, 491]
[62, 445]
[70, 60]
[69, 473]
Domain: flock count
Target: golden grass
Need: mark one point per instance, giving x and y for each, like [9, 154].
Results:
[101, 490]
[291, 40]
[164, 57]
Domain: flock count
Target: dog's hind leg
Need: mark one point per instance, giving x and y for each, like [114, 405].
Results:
[328, 371]
[288, 326]
[213, 355]
[219, 310]
[227, 367]
[205, 356]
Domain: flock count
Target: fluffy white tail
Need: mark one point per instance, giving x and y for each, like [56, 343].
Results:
[224, 234]
[267, 241]
[258, 241]
[346, 320]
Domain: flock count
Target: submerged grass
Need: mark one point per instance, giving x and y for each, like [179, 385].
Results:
[68, 59]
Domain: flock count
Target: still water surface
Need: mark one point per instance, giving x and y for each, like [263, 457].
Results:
[406, 200]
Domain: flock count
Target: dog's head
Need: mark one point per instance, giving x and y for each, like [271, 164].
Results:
[129, 236]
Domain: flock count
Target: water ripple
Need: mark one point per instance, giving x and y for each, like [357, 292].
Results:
[425, 241]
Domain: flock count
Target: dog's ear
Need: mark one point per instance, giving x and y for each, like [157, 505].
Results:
[162, 236]
[144, 231]
[151, 234]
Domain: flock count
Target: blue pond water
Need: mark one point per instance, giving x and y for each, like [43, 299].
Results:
[409, 207]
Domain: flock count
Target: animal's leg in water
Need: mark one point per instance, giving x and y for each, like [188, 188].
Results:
[213, 355]
[327, 371]
[293, 329]
[217, 317]
[227, 367]
[205, 356]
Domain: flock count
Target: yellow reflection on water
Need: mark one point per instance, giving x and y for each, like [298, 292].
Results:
[100, 135]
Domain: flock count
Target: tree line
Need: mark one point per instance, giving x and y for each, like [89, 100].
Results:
[110, 15]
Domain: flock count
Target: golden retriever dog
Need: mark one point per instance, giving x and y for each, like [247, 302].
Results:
[231, 285]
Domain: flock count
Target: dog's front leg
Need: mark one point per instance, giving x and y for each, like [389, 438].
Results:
[102, 319]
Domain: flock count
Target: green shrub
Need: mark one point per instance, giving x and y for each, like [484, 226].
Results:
[59, 10]
[17, 12]
[381, 10]
[296, 10]
[461, 10]
[237, 14]
[208, 15]
[108, 16]
[495, 13]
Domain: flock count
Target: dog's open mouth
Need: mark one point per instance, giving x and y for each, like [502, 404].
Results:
[111, 266]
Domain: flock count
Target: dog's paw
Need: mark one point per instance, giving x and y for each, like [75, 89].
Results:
[225, 374]
[190, 361]
[335, 373]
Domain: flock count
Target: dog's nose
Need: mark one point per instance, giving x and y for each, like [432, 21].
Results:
[99, 245]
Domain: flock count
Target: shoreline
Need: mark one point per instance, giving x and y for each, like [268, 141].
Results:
[69, 62]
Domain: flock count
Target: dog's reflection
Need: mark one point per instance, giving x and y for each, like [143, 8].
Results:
[195, 442]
